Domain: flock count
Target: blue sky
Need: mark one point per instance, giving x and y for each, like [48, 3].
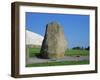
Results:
[76, 27]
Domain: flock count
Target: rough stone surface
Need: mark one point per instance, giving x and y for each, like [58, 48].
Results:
[54, 43]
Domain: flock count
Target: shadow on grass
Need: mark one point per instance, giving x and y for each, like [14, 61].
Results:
[39, 55]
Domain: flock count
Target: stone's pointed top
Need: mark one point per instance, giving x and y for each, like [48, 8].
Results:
[55, 23]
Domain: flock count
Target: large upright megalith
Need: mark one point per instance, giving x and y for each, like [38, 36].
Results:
[54, 43]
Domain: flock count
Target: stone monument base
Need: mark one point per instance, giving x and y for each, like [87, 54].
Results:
[57, 56]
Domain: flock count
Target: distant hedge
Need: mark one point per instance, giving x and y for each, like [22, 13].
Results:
[81, 48]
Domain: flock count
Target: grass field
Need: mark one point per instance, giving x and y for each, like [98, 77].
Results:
[69, 52]
[58, 63]
[34, 51]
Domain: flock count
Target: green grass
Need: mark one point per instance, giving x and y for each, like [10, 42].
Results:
[34, 51]
[58, 63]
[69, 52]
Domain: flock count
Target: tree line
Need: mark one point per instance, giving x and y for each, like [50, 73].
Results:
[81, 48]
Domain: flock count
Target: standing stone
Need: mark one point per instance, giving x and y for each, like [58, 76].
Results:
[54, 43]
